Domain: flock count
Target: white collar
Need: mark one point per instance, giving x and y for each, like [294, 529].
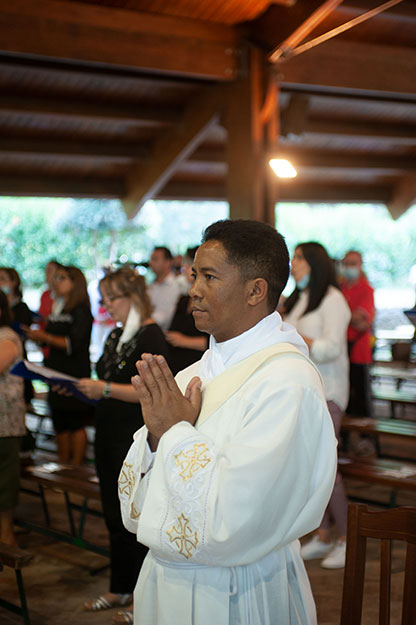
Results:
[131, 327]
[268, 331]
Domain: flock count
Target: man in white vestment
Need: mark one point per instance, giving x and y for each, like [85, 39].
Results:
[237, 459]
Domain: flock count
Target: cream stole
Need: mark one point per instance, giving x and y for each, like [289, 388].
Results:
[227, 383]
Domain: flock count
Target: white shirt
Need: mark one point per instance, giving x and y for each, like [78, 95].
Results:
[221, 505]
[327, 325]
[164, 296]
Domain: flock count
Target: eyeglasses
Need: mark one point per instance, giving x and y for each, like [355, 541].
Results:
[110, 299]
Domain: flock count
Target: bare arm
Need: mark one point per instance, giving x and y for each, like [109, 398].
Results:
[8, 354]
[40, 336]
[93, 389]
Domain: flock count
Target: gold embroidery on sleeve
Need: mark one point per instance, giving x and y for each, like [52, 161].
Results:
[134, 513]
[126, 479]
[192, 460]
[184, 538]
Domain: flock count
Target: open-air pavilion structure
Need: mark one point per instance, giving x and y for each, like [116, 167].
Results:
[187, 99]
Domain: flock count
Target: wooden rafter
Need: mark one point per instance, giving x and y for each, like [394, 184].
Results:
[90, 33]
[304, 29]
[172, 147]
[354, 66]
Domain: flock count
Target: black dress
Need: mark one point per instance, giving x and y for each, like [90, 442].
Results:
[69, 413]
[116, 422]
[23, 315]
[183, 321]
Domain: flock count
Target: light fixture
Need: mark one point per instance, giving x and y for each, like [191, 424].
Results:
[282, 168]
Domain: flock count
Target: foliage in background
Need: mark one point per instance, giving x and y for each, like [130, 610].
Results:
[388, 246]
[92, 233]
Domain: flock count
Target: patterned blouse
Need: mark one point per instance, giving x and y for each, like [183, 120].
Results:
[12, 404]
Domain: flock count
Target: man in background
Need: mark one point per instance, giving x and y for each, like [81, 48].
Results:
[164, 291]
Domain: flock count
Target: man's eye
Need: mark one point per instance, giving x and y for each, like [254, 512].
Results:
[208, 276]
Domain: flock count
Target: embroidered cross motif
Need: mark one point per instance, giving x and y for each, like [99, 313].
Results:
[192, 460]
[126, 479]
[181, 534]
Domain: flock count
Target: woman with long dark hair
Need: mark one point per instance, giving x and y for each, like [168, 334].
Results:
[67, 335]
[320, 313]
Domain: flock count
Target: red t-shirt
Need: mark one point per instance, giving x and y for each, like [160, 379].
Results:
[360, 296]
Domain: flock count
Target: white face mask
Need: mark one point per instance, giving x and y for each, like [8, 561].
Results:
[350, 273]
[303, 283]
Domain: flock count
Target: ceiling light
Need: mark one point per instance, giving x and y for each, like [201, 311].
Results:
[282, 168]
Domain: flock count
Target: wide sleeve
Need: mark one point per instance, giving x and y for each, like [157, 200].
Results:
[335, 316]
[230, 502]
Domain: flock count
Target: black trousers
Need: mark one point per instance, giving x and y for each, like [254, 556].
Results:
[360, 403]
[127, 555]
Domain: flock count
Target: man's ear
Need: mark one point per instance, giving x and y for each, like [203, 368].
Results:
[258, 289]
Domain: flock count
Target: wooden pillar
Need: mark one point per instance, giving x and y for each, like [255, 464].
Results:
[251, 189]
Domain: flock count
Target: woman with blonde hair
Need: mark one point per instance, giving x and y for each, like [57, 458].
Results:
[118, 417]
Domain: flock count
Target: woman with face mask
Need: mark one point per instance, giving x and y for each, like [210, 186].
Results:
[320, 313]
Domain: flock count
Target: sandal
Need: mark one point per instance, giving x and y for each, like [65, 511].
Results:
[102, 603]
[123, 617]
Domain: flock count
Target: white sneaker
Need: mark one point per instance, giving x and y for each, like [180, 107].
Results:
[315, 548]
[336, 559]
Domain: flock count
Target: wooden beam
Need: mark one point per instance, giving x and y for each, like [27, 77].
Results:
[91, 33]
[327, 160]
[61, 187]
[303, 30]
[292, 191]
[403, 196]
[172, 147]
[353, 65]
[247, 175]
[398, 133]
[147, 115]
[68, 147]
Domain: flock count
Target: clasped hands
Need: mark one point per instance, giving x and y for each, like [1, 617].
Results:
[163, 404]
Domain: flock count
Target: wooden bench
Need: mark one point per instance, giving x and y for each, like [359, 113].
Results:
[16, 559]
[70, 480]
[398, 374]
[394, 396]
[381, 471]
[388, 427]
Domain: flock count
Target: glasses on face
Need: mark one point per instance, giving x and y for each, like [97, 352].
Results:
[109, 299]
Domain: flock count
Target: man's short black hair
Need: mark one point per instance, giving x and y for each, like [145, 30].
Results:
[257, 249]
[167, 254]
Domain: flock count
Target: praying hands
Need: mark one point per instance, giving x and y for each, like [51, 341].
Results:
[163, 404]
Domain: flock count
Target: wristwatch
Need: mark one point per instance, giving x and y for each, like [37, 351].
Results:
[107, 390]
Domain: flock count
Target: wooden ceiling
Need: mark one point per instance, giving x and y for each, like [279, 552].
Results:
[128, 98]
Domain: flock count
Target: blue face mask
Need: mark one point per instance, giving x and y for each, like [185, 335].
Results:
[351, 273]
[6, 289]
[303, 283]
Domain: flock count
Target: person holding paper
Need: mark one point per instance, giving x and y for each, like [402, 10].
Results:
[67, 335]
[12, 421]
[237, 457]
[118, 416]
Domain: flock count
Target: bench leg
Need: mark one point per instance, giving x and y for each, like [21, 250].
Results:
[22, 596]
[44, 505]
[70, 515]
